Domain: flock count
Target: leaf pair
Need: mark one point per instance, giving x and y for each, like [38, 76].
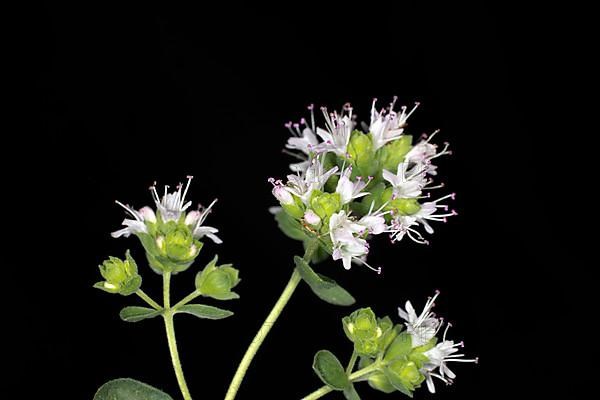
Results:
[135, 314]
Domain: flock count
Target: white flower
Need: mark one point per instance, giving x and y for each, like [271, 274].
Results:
[349, 190]
[303, 140]
[311, 218]
[339, 129]
[406, 183]
[405, 225]
[136, 225]
[172, 205]
[388, 126]
[195, 219]
[314, 178]
[281, 192]
[422, 328]
[439, 356]
[423, 152]
[170, 208]
[346, 246]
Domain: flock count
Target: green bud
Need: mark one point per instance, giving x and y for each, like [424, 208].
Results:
[294, 208]
[325, 204]
[173, 248]
[400, 206]
[217, 281]
[380, 382]
[406, 373]
[362, 329]
[120, 276]
[394, 152]
[362, 156]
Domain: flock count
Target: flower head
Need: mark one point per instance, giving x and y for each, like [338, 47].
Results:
[170, 235]
[344, 174]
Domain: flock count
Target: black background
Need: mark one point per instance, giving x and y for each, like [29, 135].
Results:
[133, 94]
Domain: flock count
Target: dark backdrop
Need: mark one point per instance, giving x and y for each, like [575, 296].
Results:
[133, 94]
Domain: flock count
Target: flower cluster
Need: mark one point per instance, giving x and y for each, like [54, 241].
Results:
[170, 235]
[404, 355]
[352, 184]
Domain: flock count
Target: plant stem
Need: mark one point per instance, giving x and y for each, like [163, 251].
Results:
[322, 391]
[352, 362]
[186, 299]
[148, 299]
[170, 329]
[266, 327]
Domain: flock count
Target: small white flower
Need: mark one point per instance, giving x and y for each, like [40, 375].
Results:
[349, 190]
[422, 328]
[195, 219]
[439, 356]
[406, 183]
[346, 246]
[339, 128]
[314, 178]
[423, 152]
[374, 222]
[136, 225]
[405, 225]
[172, 205]
[281, 192]
[388, 125]
[311, 218]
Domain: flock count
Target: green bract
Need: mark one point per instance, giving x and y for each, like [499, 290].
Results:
[217, 281]
[120, 276]
[363, 329]
[325, 204]
[170, 246]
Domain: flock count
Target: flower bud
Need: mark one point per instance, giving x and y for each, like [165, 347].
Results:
[120, 276]
[312, 219]
[362, 154]
[394, 152]
[217, 281]
[174, 248]
[406, 373]
[325, 204]
[361, 328]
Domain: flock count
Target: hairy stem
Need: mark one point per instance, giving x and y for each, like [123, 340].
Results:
[322, 391]
[266, 327]
[148, 299]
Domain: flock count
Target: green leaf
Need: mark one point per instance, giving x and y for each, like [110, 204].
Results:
[129, 389]
[135, 314]
[289, 226]
[400, 347]
[350, 393]
[204, 311]
[325, 288]
[330, 370]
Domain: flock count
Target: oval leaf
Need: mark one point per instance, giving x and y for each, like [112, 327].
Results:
[129, 389]
[135, 314]
[325, 288]
[289, 226]
[204, 311]
[350, 393]
[330, 370]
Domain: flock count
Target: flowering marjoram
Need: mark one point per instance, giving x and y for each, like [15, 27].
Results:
[350, 184]
[170, 235]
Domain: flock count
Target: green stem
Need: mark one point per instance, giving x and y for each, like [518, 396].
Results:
[266, 327]
[322, 391]
[170, 329]
[148, 299]
[186, 299]
[352, 362]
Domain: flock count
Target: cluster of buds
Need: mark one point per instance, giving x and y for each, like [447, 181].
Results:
[407, 354]
[352, 184]
[170, 235]
[120, 276]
